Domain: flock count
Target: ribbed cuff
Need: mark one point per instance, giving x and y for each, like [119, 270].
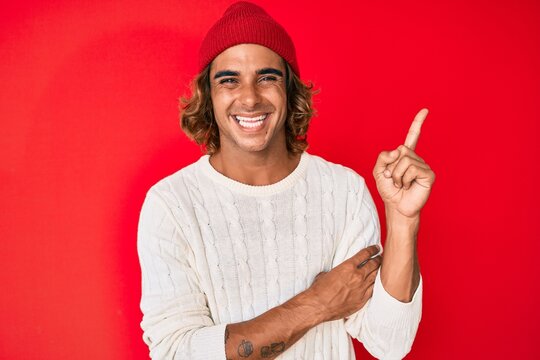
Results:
[208, 343]
[387, 311]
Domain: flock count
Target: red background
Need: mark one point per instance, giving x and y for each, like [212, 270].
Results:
[89, 123]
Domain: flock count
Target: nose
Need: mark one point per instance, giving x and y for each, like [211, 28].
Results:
[249, 95]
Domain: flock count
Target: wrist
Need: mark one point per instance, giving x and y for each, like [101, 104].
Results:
[401, 225]
[306, 303]
[401, 231]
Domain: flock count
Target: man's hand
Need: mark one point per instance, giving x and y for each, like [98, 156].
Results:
[404, 180]
[346, 288]
[334, 295]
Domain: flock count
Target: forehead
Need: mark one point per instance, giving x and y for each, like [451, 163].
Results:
[246, 58]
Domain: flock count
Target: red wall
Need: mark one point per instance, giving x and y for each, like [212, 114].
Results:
[89, 122]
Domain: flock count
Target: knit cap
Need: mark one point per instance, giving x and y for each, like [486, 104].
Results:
[246, 23]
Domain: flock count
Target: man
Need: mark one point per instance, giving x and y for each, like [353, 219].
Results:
[261, 250]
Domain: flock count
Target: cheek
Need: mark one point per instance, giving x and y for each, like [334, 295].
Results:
[220, 102]
[278, 97]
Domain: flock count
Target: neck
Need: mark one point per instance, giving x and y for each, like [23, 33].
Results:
[255, 168]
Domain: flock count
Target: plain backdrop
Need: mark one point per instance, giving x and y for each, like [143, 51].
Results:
[89, 121]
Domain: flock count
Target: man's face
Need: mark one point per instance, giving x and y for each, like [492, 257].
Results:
[249, 98]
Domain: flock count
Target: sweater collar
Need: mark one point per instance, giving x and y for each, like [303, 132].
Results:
[254, 190]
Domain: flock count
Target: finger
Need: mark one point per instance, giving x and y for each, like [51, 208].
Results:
[414, 130]
[371, 265]
[369, 262]
[402, 167]
[372, 277]
[384, 158]
[423, 177]
[403, 151]
[365, 254]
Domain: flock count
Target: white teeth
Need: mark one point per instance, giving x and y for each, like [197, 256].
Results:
[243, 118]
[250, 122]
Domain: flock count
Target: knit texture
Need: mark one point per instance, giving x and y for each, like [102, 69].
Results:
[215, 251]
[247, 23]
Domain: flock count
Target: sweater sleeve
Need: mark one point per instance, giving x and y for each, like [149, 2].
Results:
[176, 320]
[386, 326]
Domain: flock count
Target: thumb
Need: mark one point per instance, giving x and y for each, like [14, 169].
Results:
[383, 160]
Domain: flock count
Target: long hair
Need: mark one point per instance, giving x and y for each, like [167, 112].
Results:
[198, 122]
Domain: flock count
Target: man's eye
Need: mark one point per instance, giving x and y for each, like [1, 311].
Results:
[227, 81]
[268, 78]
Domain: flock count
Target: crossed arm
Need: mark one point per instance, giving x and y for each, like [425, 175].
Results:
[334, 295]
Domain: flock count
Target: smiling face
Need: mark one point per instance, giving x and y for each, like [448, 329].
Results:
[249, 99]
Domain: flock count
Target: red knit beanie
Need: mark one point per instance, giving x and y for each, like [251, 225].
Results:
[247, 23]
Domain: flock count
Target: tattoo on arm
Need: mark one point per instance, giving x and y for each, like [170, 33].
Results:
[245, 349]
[273, 349]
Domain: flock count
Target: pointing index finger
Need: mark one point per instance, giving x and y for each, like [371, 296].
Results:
[414, 130]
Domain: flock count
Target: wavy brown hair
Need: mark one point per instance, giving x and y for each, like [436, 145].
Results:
[197, 114]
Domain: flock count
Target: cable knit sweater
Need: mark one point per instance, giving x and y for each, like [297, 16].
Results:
[215, 251]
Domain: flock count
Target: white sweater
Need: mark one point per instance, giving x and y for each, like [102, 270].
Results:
[214, 251]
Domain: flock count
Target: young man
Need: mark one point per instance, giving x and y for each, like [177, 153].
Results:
[261, 250]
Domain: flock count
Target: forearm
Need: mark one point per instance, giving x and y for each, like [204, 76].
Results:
[274, 331]
[400, 270]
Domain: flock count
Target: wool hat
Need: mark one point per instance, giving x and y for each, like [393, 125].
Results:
[246, 23]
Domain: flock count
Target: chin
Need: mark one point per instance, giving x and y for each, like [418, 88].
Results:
[252, 145]
[254, 148]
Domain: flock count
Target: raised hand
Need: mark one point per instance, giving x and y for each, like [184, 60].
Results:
[403, 178]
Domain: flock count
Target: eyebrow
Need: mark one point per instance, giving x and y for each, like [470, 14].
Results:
[263, 71]
[266, 71]
[226, 73]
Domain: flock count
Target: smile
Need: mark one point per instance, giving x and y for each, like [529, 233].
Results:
[250, 122]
